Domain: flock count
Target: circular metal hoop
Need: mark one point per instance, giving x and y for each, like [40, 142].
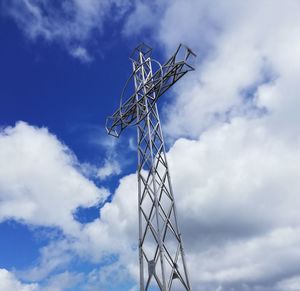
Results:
[152, 104]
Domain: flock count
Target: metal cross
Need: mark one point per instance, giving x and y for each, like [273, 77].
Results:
[161, 254]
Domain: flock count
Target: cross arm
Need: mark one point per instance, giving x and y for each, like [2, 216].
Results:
[165, 77]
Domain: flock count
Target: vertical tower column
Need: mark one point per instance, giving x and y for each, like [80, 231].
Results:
[161, 256]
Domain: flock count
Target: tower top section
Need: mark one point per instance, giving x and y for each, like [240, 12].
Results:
[141, 48]
[153, 86]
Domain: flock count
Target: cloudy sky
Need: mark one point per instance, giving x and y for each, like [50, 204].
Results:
[68, 192]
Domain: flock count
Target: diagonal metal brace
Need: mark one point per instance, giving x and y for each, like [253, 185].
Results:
[166, 76]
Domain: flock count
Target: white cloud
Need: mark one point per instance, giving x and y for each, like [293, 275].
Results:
[40, 183]
[57, 255]
[82, 54]
[237, 181]
[253, 170]
[101, 238]
[240, 46]
[9, 282]
[290, 284]
[110, 167]
[142, 16]
[110, 277]
[58, 282]
[236, 190]
[63, 281]
[237, 194]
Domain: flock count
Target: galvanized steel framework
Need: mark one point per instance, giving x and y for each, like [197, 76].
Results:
[161, 253]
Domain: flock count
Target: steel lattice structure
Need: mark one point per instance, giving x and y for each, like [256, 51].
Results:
[161, 253]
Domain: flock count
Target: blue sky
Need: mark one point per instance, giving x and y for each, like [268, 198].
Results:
[46, 87]
[51, 88]
[68, 213]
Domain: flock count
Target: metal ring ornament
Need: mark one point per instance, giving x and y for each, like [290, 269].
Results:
[126, 85]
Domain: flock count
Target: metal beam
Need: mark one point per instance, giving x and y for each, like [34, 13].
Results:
[161, 254]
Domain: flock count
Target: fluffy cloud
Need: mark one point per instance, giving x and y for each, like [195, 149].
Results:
[236, 182]
[63, 281]
[240, 47]
[59, 282]
[236, 239]
[237, 193]
[42, 185]
[9, 282]
[237, 196]
[101, 238]
[40, 181]
[141, 18]
[110, 167]
[291, 284]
